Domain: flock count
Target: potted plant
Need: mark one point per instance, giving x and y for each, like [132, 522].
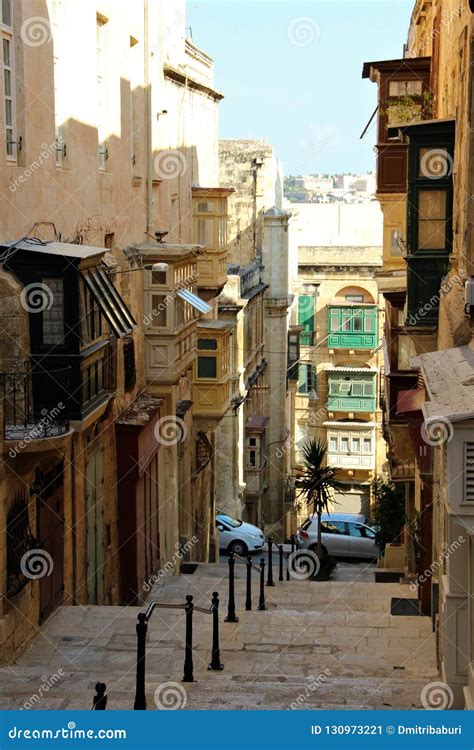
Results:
[317, 484]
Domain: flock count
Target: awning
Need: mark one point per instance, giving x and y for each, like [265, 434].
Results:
[194, 300]
[110, 302]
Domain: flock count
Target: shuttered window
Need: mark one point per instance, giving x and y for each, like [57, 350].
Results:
[469, 472]
[306, 318]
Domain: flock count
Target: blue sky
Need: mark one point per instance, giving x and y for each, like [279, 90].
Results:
[291, 73]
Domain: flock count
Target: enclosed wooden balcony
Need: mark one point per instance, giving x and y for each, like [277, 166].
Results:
[212, 369]
[210, 231]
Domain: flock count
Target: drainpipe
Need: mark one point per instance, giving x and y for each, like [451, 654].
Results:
[149, 139]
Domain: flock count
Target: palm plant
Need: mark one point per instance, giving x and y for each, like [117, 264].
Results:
[318, 481]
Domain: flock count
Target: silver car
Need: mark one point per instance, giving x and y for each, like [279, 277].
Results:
[238, 536]
[342, 534]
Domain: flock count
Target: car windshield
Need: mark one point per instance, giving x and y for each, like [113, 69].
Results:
[234, 523]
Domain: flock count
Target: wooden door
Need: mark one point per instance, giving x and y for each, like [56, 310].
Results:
[50, 533]
[95, 527]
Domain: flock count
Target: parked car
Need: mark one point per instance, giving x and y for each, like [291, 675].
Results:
[238, 536]
[342, 534]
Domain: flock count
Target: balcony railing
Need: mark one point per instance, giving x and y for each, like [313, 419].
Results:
[34, 402]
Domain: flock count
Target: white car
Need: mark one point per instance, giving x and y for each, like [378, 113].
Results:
[342, 535]
[238, 536]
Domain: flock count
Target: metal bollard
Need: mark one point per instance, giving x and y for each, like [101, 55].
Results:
[270, 562]
[215, 664]
[280, 571]
[248, 597]
[287, 567]
[188, 658]
[292, 543]
[261, 601]
[99, 701]
[140, 697]
[231, 604]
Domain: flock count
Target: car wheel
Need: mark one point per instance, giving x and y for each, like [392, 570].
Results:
[314, 547]
[238, 548]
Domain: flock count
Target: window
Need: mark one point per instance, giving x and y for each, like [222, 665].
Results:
[345, 388]
[356, 445]
[333, 527]
[7, 13]
[432, 206]
[344, 445]
[306, 318]
[159, 310]
[207, 367]
[357, 321]
[9, 93]
[252, 461]
[210, 344]
[354, 297]
[333, 444]
[129, 371]
[109, 240]
[307, 380]
[367, 444]
[53, 313]
[92, 316]
[101, 32]
[405, 88]
[357, 389]
[159, 277]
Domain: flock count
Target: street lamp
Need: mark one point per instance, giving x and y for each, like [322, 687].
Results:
[157, 267]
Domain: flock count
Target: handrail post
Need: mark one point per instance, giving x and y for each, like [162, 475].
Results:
[216, 657]
[287, 567]
[261, 601]
[292, 544]
[99, 701]
[270, 562]
[280, 572]
[231, 604]
[188, 659]
[140, 696]
[248, 597]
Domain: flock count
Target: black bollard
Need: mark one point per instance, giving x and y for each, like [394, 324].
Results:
[140, 697]
[248, 597]
[270, 562]
[99, 701]
[287, 567]
[292, 543]
[280, 571]
[231, 604]
[216, 656]
[188, 659]
[261, 601]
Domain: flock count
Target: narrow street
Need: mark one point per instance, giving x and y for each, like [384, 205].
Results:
[318, 645]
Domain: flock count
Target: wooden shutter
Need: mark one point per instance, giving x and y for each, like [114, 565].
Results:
[469, 472]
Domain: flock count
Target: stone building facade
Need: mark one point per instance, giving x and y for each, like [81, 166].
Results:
[424, 169]
[337, 310]
[107, 434]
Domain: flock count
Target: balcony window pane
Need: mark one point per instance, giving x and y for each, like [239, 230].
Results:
[159, 277]
[432, 219]
[368, 389]
[207, 367]
[53, 313]
[367, 445]
[368, 322]
[344, 445]
[345, 388]
[7, 79]
[356, 445]
[404, 88]
[6, 52]
[333, 444]
[357, 322]
[205, 232]
[158, 313]
[346, 321]
[357, 389]
[207, 344]
[205, 207]
[7, 12]
[434, 163]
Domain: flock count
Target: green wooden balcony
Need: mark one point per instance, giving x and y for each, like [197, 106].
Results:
[352, 327]
[351, 392]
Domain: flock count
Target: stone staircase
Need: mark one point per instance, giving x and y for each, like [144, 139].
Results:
[318, 645]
